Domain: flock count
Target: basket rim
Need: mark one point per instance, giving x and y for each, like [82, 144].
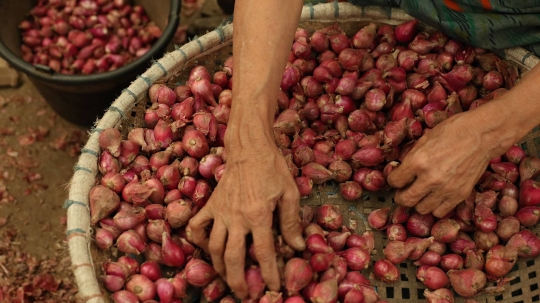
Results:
[49, 76]
[79, 231]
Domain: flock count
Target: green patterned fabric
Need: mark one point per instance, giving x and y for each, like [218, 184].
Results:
[490, 24]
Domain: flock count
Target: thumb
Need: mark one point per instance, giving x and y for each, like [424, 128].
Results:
[289, 219]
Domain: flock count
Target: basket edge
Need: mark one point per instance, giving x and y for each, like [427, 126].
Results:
[86, 167]
[78, 224]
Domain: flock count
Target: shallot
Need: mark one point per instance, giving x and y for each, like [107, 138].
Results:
[348, 112]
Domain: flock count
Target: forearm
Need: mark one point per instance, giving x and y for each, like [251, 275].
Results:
[516, 113]
[263, 35]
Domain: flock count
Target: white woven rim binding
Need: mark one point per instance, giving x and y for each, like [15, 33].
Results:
[79, 233]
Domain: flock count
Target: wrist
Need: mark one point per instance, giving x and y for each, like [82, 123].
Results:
[499, 129]
[249, 131]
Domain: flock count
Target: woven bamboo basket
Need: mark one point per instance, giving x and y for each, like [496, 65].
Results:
[211, 50]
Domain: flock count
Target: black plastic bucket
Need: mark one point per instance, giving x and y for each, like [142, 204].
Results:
[81, 99]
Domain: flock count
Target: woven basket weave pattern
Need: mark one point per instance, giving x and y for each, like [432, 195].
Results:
[211, 50]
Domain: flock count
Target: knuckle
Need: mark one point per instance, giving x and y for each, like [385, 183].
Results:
[264, 254]
[401, 198]
[195, 235]
[406, 203]
[440, 180]
[256, 214]
[422, 209]
[411, 193]
[219, 267]
[420, 162]
[290, 223]
[232, 258]
[195, 223]
[215, 248]
[235, 283]
[192, 225]
[436, 180]
[439, 214]
[442, 211]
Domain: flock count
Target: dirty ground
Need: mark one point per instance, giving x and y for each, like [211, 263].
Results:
[38, 151]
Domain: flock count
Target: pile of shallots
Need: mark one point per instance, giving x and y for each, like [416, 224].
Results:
[86, 36]
[328, 270]
[349, 110]
[481, 240]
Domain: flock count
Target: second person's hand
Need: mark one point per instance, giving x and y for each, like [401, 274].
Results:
[442, 168]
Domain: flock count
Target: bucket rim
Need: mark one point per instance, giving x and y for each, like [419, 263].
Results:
[63, 79]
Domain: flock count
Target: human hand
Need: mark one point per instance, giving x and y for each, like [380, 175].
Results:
[442, 168]
[256, 181]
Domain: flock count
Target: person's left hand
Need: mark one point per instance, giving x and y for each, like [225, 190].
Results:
[442, 168]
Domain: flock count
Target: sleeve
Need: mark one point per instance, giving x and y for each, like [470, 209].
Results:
[490, 24]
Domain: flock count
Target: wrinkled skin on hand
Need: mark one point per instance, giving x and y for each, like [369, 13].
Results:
[442, 168]
[255, 183]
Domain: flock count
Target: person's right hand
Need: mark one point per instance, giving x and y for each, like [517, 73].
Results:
[444, 165]
[256, 180]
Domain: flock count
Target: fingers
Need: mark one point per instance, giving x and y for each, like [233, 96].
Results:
[289, 220]
[441, 201]
[430, 202]
[235, 254]
[216, 246]
[411, 195]
[264, 250]
[197, 226]
[402, 175]
[446, 207]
